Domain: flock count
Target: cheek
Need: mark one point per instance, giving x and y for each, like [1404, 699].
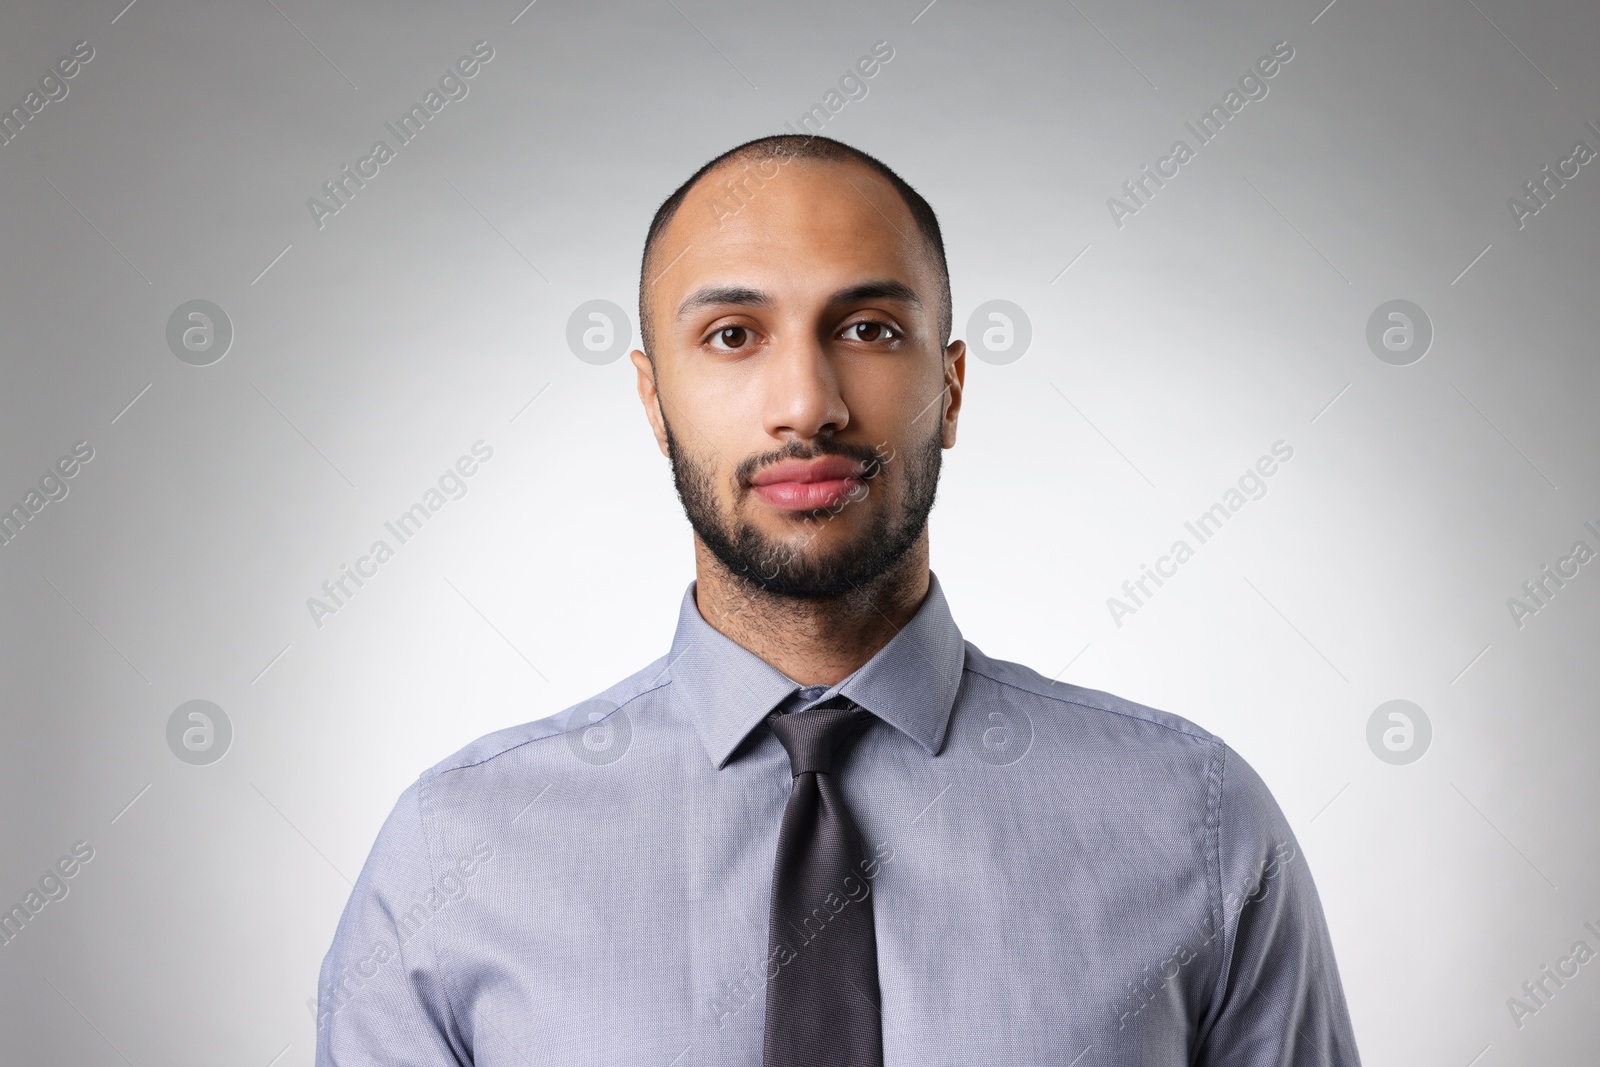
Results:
[705, 427]
[897, 405]
[716, 417]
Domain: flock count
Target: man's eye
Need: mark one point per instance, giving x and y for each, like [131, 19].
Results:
[730, 337]
[870, 332]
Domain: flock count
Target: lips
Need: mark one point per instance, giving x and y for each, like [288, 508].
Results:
[805, 485]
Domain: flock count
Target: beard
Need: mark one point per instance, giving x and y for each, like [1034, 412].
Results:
[778, 569]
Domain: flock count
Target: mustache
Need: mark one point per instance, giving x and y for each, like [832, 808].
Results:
[873, 458]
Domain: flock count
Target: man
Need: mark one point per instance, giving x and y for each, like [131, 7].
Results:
[824, 829]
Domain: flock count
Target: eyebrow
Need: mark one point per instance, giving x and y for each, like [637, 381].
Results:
[744, 296]
[714, 295]
[878, 289]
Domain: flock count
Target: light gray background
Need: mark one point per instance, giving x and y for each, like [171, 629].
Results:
[1229, 313]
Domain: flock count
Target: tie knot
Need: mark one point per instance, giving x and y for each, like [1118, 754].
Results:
[812, 737]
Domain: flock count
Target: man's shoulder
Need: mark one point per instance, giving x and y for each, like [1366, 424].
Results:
[1125, 734]
[596, 710]
[1093, 709]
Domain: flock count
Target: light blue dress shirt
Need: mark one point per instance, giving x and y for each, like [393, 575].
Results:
[1064, 877]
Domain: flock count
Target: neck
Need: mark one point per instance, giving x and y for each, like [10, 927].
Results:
[815, 642]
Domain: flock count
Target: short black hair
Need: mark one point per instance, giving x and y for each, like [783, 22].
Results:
[787, 148]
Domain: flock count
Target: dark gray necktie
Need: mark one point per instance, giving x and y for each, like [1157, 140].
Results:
[823, 1006]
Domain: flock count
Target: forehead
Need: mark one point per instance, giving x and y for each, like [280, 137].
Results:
[793, 229]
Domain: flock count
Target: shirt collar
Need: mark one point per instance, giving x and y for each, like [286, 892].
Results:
[727, 690]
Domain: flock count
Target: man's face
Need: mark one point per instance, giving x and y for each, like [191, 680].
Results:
[800, 386]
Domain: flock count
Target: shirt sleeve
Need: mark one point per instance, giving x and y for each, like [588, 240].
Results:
[1277, 999]
[381, 997]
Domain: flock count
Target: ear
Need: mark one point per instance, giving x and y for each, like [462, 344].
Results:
[955, 375]
[648, 397]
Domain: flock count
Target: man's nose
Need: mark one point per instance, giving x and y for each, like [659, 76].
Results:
[803, 397]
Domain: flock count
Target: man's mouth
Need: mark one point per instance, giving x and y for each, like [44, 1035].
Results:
[806, 485]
